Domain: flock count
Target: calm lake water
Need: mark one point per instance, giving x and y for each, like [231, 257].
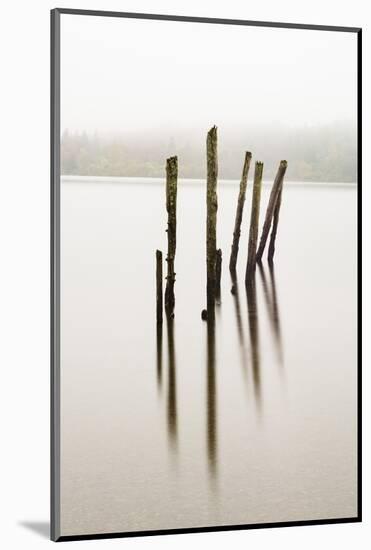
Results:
[253, 422]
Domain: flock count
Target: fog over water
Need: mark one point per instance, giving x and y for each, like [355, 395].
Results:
[154, 88]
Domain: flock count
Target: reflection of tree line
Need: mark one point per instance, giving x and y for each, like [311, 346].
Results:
[271, 300]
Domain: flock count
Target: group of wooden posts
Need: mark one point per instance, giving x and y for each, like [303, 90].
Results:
[214, 255]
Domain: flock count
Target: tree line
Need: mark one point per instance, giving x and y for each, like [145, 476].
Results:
[322, 154]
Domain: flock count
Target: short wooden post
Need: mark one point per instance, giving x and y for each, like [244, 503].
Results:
[159, 294]
[239, 213]
[212, 208]
[254, 221]
[275, 192]
[171, 194]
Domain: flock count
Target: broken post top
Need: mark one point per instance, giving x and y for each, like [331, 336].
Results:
[281, 170]
[245, 169]
[212, 132]
[212, 144]
[258, 167]
[172, 165]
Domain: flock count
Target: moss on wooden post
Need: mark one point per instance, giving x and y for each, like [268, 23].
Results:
[254, 221]
[159, 296]
[273, 198]
[276, 217]
[171, 193]
[212, 208]
[239, 213]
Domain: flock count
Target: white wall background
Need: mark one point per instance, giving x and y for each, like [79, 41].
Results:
[24, 270]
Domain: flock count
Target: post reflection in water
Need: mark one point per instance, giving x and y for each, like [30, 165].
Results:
[254, 337]
[237, 307]
[237, 310]
[159, 354]
[211, 401]
[275, 314]
[171, 395]
[272, 307]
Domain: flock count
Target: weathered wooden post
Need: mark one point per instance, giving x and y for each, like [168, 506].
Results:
[273, 198]
[276, 217]
[239, 213]
[171, 193]
[212, 208]
[159, 298]
[254, 222]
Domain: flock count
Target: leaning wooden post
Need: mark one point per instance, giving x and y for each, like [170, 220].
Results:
[277, 185]
[276, 216]
[171, 192]
[239, 212]
[212, 208]
[159, 286]
[254, 221]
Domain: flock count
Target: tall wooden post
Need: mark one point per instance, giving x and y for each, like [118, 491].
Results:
[275, 192]
[254, 222]
[212, 208]
[239, 213]
[171, 194]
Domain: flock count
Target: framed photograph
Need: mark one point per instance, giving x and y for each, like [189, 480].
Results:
[205, 329]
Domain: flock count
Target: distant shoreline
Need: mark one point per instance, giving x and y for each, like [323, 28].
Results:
[192, 181]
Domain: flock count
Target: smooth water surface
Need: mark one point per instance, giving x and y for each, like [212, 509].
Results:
[252, 421]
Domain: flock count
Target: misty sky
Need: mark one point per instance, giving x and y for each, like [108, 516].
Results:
[126, 75]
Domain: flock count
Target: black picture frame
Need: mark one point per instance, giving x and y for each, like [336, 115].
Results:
[55, 271]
